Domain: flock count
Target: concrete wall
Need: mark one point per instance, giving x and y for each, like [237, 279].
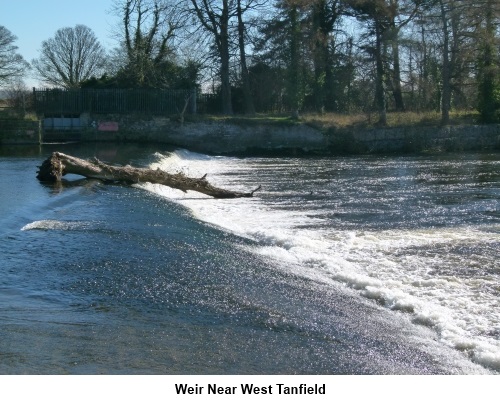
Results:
[220, 137]
[210, 136]
[417, 139]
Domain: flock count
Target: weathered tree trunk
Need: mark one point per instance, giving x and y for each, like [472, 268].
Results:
[59, 164]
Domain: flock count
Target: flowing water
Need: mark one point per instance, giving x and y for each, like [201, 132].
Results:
[340, 265]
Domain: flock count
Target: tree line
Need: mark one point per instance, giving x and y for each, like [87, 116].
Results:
[343, 56]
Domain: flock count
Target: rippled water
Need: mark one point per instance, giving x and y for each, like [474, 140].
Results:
[339, 265]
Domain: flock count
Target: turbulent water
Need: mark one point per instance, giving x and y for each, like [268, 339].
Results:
[352, 265]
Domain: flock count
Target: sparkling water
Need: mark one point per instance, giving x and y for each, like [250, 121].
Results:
[354, 265]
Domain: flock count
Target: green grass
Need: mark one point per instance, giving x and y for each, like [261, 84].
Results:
[323, 122]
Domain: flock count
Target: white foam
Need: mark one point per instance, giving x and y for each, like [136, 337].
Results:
[50, 224]
[461, 310]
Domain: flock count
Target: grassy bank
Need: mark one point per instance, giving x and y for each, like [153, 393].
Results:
[394, 119]
[406, 132]
[15, 129]
[327, 121]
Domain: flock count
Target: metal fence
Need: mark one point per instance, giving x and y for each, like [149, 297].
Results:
[113, 101]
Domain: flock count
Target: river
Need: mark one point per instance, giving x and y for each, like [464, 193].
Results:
[339, 265]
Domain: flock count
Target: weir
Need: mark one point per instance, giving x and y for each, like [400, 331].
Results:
[342, 265]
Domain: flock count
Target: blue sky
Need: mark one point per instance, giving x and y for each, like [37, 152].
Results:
[33, 21]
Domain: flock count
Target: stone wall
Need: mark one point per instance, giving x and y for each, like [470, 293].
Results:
[222, 137]
[210, 136]
[20, 132]
[416, 139]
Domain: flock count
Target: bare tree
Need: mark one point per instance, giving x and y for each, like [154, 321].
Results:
[70, 57]
[400, 13]
[457, 27]
[245, 77]
[19, 98]
[325, 15]
[446, 69]
[147, 30]
[214, 18]
[12, 65]
[374, 13]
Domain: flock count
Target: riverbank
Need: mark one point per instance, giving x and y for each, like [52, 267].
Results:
[433, 139]
[248, 136]
[217, 137]
[287, 137]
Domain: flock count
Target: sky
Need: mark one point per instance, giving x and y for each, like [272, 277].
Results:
[33, 21]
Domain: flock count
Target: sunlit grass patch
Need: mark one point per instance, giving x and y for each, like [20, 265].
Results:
[329, 121]
[394, 119]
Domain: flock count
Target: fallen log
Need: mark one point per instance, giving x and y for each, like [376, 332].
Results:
[59, 164]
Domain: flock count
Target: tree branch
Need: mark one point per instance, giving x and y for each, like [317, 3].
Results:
[59, 164]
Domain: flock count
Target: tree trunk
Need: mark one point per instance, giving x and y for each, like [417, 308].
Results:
[227, 104]
[294, 82]
[59, 164]
[396, 74]
[217, 23]
[380, 76]
[245, 78]
[488, 69]
[320, 55]
[446, 72]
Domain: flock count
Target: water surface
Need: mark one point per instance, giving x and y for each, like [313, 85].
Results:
[354, 265]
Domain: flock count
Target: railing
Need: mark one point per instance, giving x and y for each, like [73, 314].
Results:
[113, 101]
